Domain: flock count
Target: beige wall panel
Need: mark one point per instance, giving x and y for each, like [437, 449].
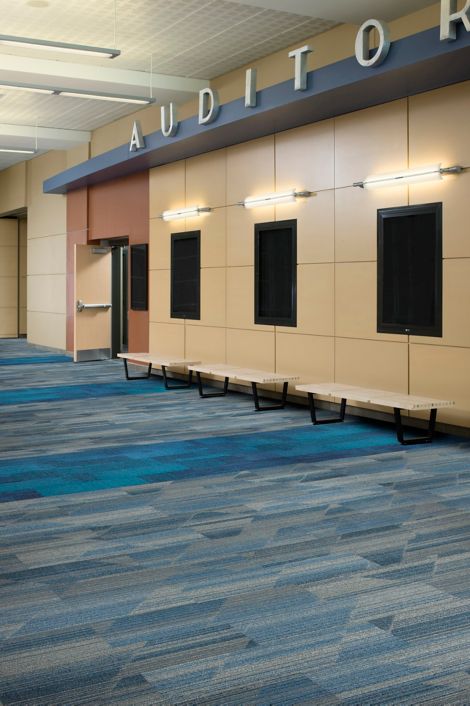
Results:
[205, 179]
[315, 301]
[8, 291]
[160, 242]
[241, 233]
[46, 293]
[356, 302]
[13, 188]
[441, 372]
[455, 306]
[77, 155]
[8, 322]
[252, 349]
[167, 188]
[159, 296]
[438, 124]
[305, 157]
[250, 169]
[8, 232]
[415, 22]
[315, 226]
[167, 339]
[356, 219]
[376, 364]
[371, 141]
[213, 236]
[23, 319]
[453, 192]
[47, 255]
[46, 212]
[310, 357]
[241, 299]
[46, 329]
[213, 288]
[8, 261]
[205, 343]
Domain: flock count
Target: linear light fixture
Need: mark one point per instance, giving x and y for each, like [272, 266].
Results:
[47, 45]
[184, 213]
[13, 150]
[138, 100]
[279, 197]
[25, 87]
[433, 172]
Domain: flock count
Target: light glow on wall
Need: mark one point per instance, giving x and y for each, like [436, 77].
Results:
[433, 172]
[269, 199]
[184, 213]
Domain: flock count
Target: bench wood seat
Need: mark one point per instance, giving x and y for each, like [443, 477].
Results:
[256, 377]
[384, 398]
[163, 362]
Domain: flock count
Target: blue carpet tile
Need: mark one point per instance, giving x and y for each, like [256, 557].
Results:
[29, 360]
[215, 556]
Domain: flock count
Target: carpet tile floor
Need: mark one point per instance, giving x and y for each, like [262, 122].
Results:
[161, 550]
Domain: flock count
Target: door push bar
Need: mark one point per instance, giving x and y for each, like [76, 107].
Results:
[81, 306]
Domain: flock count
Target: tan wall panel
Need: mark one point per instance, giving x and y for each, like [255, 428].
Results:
[438, 124]
[356, 302]
[315, 302]
[77, 155]
[46, 293]
[213, 237]
[241, 299]
[8, 291]
[305, 158]
[23, 321]
[13, 188]
[315, 226]
[167, 339]
[371, 141]
[46, 329]
[250, 169]
[441, 372]
[206, 179]
[8, 260]
[46, 212]
[160, 242]
[314, 358]
[253, 349]
[8, 232]
[376, 364]
[453, 192]
[159, 296]
[167, 188]
[456, 312]
[213, 290]
[47, 255]
[356, 219]
[205, 343]
[241, 233]
[8, 322]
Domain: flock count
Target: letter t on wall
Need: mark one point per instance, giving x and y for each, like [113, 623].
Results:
[300, 57]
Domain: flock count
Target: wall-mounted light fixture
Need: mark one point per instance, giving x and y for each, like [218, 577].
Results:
[279, 197]
[184, 213]
[13, 150]
[9, 40]
[433, 172]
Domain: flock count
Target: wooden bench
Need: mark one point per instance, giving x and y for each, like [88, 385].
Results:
[163, 362]
[255, 377]
[379, 397]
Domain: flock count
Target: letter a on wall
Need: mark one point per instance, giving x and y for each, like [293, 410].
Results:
[137, 141]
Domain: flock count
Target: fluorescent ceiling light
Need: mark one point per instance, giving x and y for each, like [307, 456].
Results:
[23, 87]
[184, 213]
[279, 197]
[104, 97]
[47, 45]
[12, 150]
[432, 172]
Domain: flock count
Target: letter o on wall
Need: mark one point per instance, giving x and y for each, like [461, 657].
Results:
[362, 43]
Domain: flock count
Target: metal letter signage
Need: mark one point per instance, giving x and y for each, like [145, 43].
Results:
[250, 89]
[169, 128]
[362, 43]
[208, 106]
[300, 57]
[450, 16]
[137, 141]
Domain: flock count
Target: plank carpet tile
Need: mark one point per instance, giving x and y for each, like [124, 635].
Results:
[215, 556]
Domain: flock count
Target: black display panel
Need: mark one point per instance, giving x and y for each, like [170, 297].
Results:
[139, 277]
[276, 273]
[409, 270]
[185, 275]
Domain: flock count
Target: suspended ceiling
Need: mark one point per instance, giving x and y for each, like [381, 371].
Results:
[169, 50]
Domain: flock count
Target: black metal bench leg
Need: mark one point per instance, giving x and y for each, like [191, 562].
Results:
[176, 385]
[210, 394]
[425, 439]
[137, 377]
[266, 408]
[328, 420]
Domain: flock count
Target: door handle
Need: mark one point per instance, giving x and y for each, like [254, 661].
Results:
[81, 306]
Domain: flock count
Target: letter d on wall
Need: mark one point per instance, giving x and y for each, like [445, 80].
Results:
[208, 106]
